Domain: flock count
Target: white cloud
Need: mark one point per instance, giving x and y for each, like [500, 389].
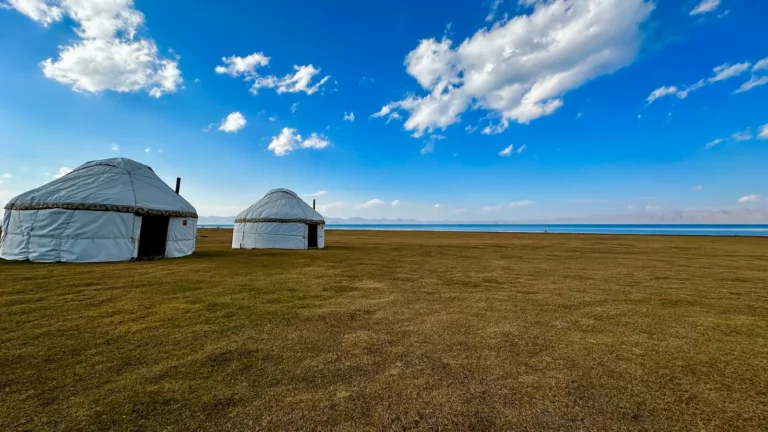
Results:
[372, 203]
[148, 149]
[494, 8]
[521, 203]
[330, 206]
[630, 207]
[763, 133]
[698, 187]
[6, 176]
[659, 93]
[233, 122]
[721, 73]
[755, 80]
[520, 69]
[109, 55]
[652, 207]
[246, 67]
[429, 147]
[437, 206]
[209, 127]
[236, 66]
[749, 198]
[522, 149]
[315, 141]
[294, 107]
[349, 116]
[507, 151]
[272, 118]
[705, 6]
[316, 194]
[290, 140]
[393, 116]
[579, 115]
[299, 81]
[499, 207]
[744, 135]
[713, 143]
[395, 203]
[62, 172]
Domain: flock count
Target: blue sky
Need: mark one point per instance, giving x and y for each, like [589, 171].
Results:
[619, 106]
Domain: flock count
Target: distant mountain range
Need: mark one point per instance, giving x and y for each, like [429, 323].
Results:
[737, 216]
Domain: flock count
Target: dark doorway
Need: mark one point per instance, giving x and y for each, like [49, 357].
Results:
[153, 237]
[312, 236]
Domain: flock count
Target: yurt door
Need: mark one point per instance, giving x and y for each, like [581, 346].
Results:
[153, 236]
[312, 236]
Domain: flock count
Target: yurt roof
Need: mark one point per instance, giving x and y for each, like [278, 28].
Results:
[118, 184]
[280, 205]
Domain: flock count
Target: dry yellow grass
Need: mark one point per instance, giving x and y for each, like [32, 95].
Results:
[388, 330]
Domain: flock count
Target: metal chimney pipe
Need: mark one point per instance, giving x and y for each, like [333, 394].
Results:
[178, 185]
[313, 204]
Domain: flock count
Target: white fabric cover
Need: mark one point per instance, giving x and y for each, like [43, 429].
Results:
[123, 187]
[280, 220]
[181, 239]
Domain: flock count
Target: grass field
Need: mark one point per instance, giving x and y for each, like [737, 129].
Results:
[395, 331]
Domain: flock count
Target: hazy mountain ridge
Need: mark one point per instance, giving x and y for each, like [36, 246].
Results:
[737, 216]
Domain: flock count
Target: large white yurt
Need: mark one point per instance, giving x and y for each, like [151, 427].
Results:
[280, 220]
[106, 210]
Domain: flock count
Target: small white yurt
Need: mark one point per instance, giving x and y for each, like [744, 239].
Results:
[280, 220]
[106, 210]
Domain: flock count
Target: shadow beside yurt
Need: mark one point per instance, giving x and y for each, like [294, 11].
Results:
[106, 210]
[280, 220]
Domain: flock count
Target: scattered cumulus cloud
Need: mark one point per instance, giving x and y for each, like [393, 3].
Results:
[520, 69]
[62, 172]
[721, 73]
[713, 143]
[108, 53]
[247, 68]
[330, 206]
[6, 176]
[372, 203]
[507, 151]
[295, 107]
[437, 206]
[429, 145]
[115, 147]
[272, 118]
[630, 207]
[763, 133]
[349, 116]
[299, 81]
[289, 140]
[499, 207]
[233, 123]
[759, 77]
[698, 187]
[705, 6]
[395, 203]
[316, 194]
[749, 198]
[522, 148]
[147, 149]
[494, 9]
[744, 135]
